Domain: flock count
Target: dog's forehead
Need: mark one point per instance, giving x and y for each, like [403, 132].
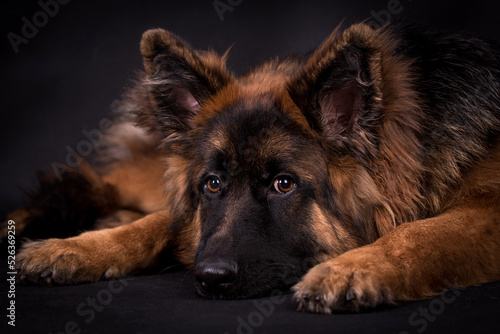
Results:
[259, 143]
[240, 132]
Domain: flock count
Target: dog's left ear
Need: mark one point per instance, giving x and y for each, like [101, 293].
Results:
[337, 88]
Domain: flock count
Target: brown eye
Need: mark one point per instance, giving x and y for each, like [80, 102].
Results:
[213, 184]
[283, 184]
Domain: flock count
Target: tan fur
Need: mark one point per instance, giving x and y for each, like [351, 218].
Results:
[138, 183]
[187, 242]
[412, 243]
[358, 192]
[108, 253]
[420, 258]
[431, 254]
[118, 218]
[331, 235]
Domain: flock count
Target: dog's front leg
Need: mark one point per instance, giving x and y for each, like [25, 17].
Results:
[95, 255]
[458, 248]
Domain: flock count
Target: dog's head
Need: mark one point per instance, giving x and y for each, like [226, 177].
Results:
[267, 174]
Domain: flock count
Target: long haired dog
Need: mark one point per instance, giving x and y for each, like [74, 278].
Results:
[363, 174]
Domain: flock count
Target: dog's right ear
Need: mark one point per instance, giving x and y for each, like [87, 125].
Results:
[178, 80]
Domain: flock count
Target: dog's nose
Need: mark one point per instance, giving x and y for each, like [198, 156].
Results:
[216, 275]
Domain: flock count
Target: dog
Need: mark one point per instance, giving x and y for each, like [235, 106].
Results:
[362, 174]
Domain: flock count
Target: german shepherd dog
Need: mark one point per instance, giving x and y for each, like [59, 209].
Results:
[365, 173]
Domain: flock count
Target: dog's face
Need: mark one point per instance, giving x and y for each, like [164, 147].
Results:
[257, 186]
[261, 171]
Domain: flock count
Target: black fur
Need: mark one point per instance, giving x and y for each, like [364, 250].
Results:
[65, 209]
[458, 79]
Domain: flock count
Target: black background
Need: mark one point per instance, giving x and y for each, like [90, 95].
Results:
[66, 79]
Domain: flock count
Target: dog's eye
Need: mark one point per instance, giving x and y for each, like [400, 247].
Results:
[213, 184]
[283, 184]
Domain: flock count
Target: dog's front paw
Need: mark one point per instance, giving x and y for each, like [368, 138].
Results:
[62, 261]
[350, 282]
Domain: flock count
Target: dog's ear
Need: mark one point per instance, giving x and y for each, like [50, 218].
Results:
[337, 88]
[178, 79]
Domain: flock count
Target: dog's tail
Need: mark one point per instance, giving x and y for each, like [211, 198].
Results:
[122, 185]
[64, 207]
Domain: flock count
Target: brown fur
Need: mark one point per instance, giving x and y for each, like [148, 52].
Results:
[400, 229]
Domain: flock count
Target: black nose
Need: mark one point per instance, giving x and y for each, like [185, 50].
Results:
[216, 275]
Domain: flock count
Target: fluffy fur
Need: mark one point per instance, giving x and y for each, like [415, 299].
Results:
[362, 174]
